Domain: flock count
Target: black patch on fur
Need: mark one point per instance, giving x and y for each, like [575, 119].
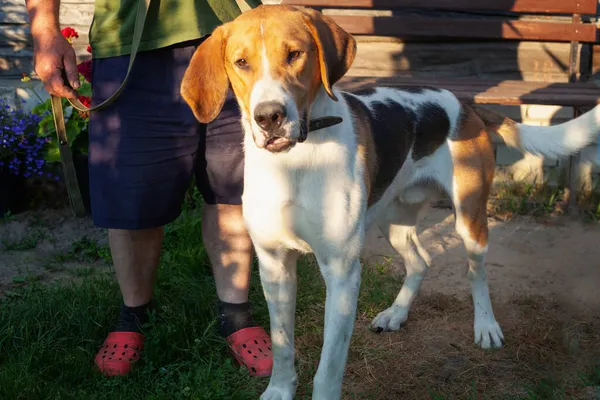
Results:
[431, 130]
[417, 89]
[365, 92]
[392, 128]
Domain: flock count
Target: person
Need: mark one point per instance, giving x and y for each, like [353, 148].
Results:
[144, 150]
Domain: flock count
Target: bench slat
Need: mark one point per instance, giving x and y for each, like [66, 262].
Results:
[492, 92]
[533, 6]
[399, 26]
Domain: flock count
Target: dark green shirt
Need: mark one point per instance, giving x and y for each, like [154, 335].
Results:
[168, 22]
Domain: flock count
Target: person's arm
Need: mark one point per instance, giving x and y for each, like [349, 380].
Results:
[52, 53]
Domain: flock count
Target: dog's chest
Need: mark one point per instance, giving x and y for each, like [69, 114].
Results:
[302, 202]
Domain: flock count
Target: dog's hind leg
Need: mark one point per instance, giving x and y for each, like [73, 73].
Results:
[278, 277]
[471, 225]
[473, 174]
[399, 228]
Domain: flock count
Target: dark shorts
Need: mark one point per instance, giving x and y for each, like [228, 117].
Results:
[146, 146]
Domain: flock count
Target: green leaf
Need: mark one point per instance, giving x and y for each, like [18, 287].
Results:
[19, 279]
[85, 89]
[52, 154]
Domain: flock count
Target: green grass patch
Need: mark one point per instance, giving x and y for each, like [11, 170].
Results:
[49, 334]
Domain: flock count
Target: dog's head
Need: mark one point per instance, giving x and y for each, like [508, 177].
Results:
[275, 59]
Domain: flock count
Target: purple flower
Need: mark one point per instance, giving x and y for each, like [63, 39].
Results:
[21, 150]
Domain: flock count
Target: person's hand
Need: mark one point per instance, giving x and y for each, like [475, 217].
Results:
[54, 61]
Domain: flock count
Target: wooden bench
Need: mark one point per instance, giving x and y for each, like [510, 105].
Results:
[513, 20]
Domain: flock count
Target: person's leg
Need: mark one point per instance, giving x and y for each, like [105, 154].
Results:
[142, 154]
[219, 176]
[229, 249]
[135, 256]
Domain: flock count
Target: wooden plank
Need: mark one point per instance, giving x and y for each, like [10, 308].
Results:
[411, 27]
[505, 93]
[531, 6]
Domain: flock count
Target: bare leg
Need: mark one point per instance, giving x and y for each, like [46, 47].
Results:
[135, 256]
[230, 250]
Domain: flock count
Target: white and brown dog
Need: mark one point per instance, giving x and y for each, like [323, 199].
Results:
[319, 191]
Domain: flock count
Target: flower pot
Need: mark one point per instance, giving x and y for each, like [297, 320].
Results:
[83, 180]
[12, 193]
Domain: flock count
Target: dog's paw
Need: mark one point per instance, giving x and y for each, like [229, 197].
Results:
[488, 334]
[277, 393]
[390, 319]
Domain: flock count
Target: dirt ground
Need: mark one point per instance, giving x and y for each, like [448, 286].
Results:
[544, 280]
[559, 259]
[34, 246]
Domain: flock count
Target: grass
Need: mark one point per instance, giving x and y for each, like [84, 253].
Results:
[27, 242]
[539, 200]
[49, 334]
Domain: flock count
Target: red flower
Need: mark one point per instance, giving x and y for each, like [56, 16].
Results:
[69, 33]
[85, 100]
[89, 48]
[85, 69]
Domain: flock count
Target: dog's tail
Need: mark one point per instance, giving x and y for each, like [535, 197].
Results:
[549, 141]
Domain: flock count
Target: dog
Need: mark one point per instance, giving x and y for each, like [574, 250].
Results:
[316, 186]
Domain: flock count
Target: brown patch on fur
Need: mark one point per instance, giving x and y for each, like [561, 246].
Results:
[496, 123]
[204, 85]
[472, 152]
[336, 48]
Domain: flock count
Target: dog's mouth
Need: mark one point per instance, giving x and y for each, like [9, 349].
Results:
[278, 144]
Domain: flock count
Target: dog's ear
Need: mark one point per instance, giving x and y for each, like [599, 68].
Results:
[205, 83]
[336, 48]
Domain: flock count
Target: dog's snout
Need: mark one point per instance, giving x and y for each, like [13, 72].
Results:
[270, 115]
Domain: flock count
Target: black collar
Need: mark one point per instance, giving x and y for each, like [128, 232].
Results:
[325, 122]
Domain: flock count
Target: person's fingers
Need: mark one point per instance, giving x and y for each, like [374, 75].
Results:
[70, 61]
[55, 85]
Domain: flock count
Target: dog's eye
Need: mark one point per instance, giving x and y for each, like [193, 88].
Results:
[293, 55]
[241, 63]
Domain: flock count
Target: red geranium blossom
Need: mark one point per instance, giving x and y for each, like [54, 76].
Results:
[89, 48]
[69, 33]
[85, 100]
[85, 69]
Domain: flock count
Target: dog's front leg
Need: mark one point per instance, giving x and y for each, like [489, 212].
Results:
[278, 277]
[342, 277]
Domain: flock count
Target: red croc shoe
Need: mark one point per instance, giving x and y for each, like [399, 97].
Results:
[251, 348]
[118, 352]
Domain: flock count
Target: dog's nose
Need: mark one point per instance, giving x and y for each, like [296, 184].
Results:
[269, 115]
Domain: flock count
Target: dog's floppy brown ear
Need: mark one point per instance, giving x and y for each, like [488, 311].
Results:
[205, 83]
[336, 48]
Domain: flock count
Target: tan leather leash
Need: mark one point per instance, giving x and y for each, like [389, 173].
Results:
[66, 156]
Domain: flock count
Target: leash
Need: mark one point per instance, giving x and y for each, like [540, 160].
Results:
[66, 156]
